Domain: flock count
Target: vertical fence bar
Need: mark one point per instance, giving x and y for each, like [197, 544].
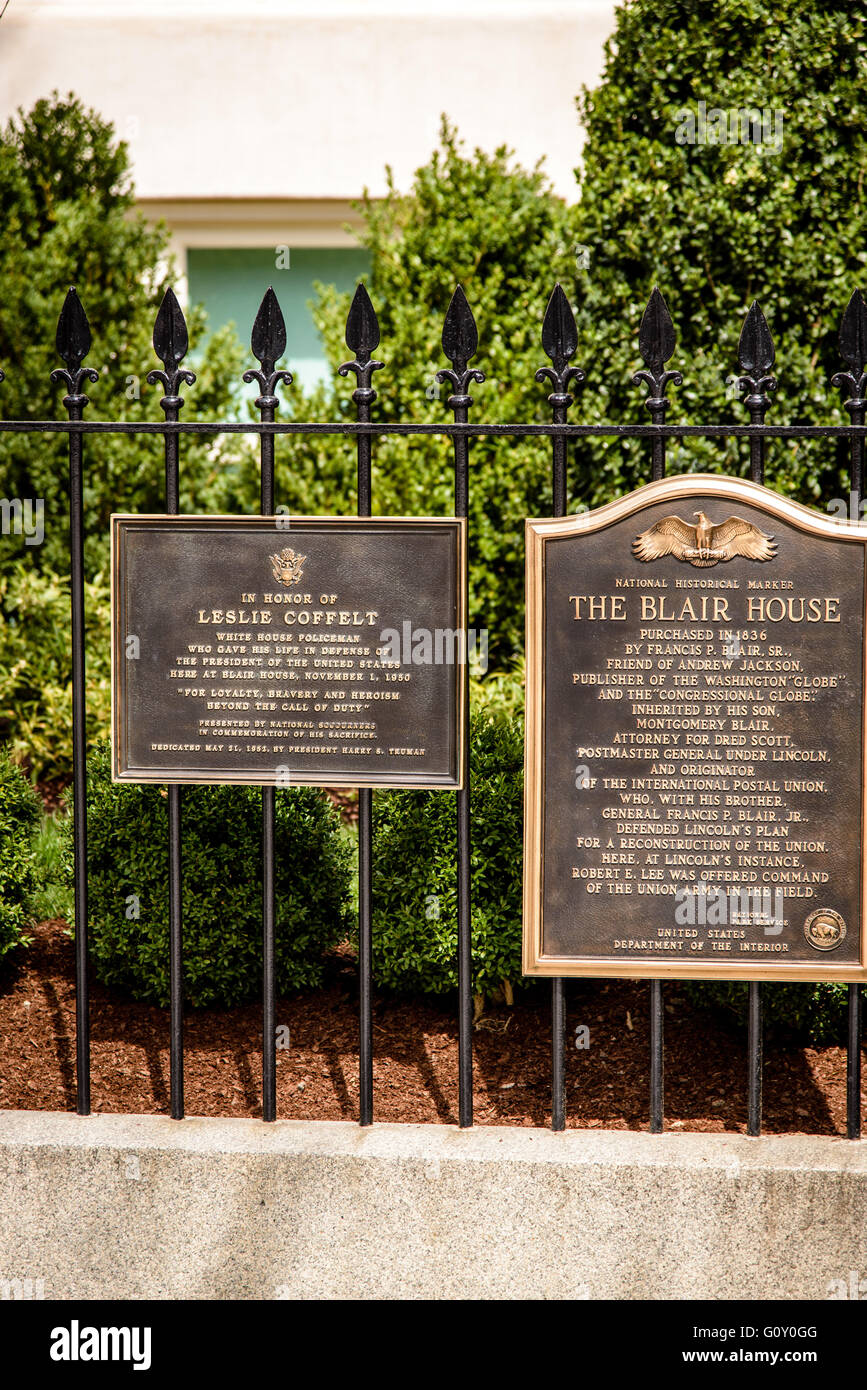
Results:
[656, 343]
[460, 341]
[176, 959]
[558, 985]
[855, 995]
[755, 1058]
[559, 343]
[170, 345]
[75, 407]
[268, 343]
[362, 338]
[269, 986]
[365, 956]
[657, 1058]
[73, 344]
[853, 1065]
[756, 357]
[854, 1031]
[853, 350]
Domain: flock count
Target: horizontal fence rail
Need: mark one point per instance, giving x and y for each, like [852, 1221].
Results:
[559, 341]
[445, 428]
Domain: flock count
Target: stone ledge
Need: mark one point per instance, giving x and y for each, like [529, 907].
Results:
[139, 1206]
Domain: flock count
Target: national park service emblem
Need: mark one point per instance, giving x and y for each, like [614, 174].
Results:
[704, 544]
[825, 929]
[287, 566]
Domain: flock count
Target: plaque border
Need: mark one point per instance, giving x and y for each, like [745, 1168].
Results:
[385, 781]
[537, 533]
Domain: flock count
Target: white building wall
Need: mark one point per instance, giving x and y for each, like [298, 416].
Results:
[254, 123]
[227, 100]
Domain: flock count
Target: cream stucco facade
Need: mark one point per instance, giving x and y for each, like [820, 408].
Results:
[254, 124]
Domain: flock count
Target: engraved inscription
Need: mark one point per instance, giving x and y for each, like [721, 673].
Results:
[276, 667]
[701, 752]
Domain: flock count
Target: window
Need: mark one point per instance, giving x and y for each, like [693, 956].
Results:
[230, 283]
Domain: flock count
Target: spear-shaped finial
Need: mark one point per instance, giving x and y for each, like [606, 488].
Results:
[560, 343]
[267, 344]
[756, 357]
[362, 338]
[853, 350]
[656, 343]
[171, 341]
[73, 344]
[460, 341]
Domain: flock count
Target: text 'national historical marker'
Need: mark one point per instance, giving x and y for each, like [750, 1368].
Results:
[694, 792]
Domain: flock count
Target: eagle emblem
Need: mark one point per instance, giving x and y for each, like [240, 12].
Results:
[704, 544]
[287, 566]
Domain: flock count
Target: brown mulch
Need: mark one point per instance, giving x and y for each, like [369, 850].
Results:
[50, 790]
[415, 1050]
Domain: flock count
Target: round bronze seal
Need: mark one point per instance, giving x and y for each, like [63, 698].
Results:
[825, 929]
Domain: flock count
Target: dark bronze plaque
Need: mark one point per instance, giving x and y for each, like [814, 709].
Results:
[695, 738]
[280, 650]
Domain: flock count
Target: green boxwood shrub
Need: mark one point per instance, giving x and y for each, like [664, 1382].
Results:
[19, 814]
[222, 912]
[36, 666]
[810, 1013]
[414, 889]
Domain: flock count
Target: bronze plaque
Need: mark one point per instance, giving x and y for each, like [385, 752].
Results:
[694, 796]
[280, 650]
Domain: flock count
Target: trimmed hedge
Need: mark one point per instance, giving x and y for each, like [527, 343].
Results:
[222, 912]
[414, 887]
[36, 666]
[19, 815]
[811, 1013]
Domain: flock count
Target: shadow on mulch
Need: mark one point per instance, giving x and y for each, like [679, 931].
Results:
[415, 1056]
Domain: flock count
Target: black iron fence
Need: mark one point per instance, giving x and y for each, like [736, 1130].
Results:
[460, 342]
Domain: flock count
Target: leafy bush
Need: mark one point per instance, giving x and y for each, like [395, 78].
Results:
[500, 692]
[811, 1013]
[717, 225]
[714, 225]
[414, 888]
[222, 914]
[68, 213]
[52, 897]
[36, 666]
[480, 219]
[19, 814]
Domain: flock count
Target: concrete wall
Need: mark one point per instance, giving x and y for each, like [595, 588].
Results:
[116, 1206]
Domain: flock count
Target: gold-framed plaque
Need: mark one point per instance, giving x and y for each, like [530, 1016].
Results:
[318, 651]
[695, 738]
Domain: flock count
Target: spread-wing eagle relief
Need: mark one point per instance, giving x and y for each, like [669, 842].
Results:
[704, 544]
